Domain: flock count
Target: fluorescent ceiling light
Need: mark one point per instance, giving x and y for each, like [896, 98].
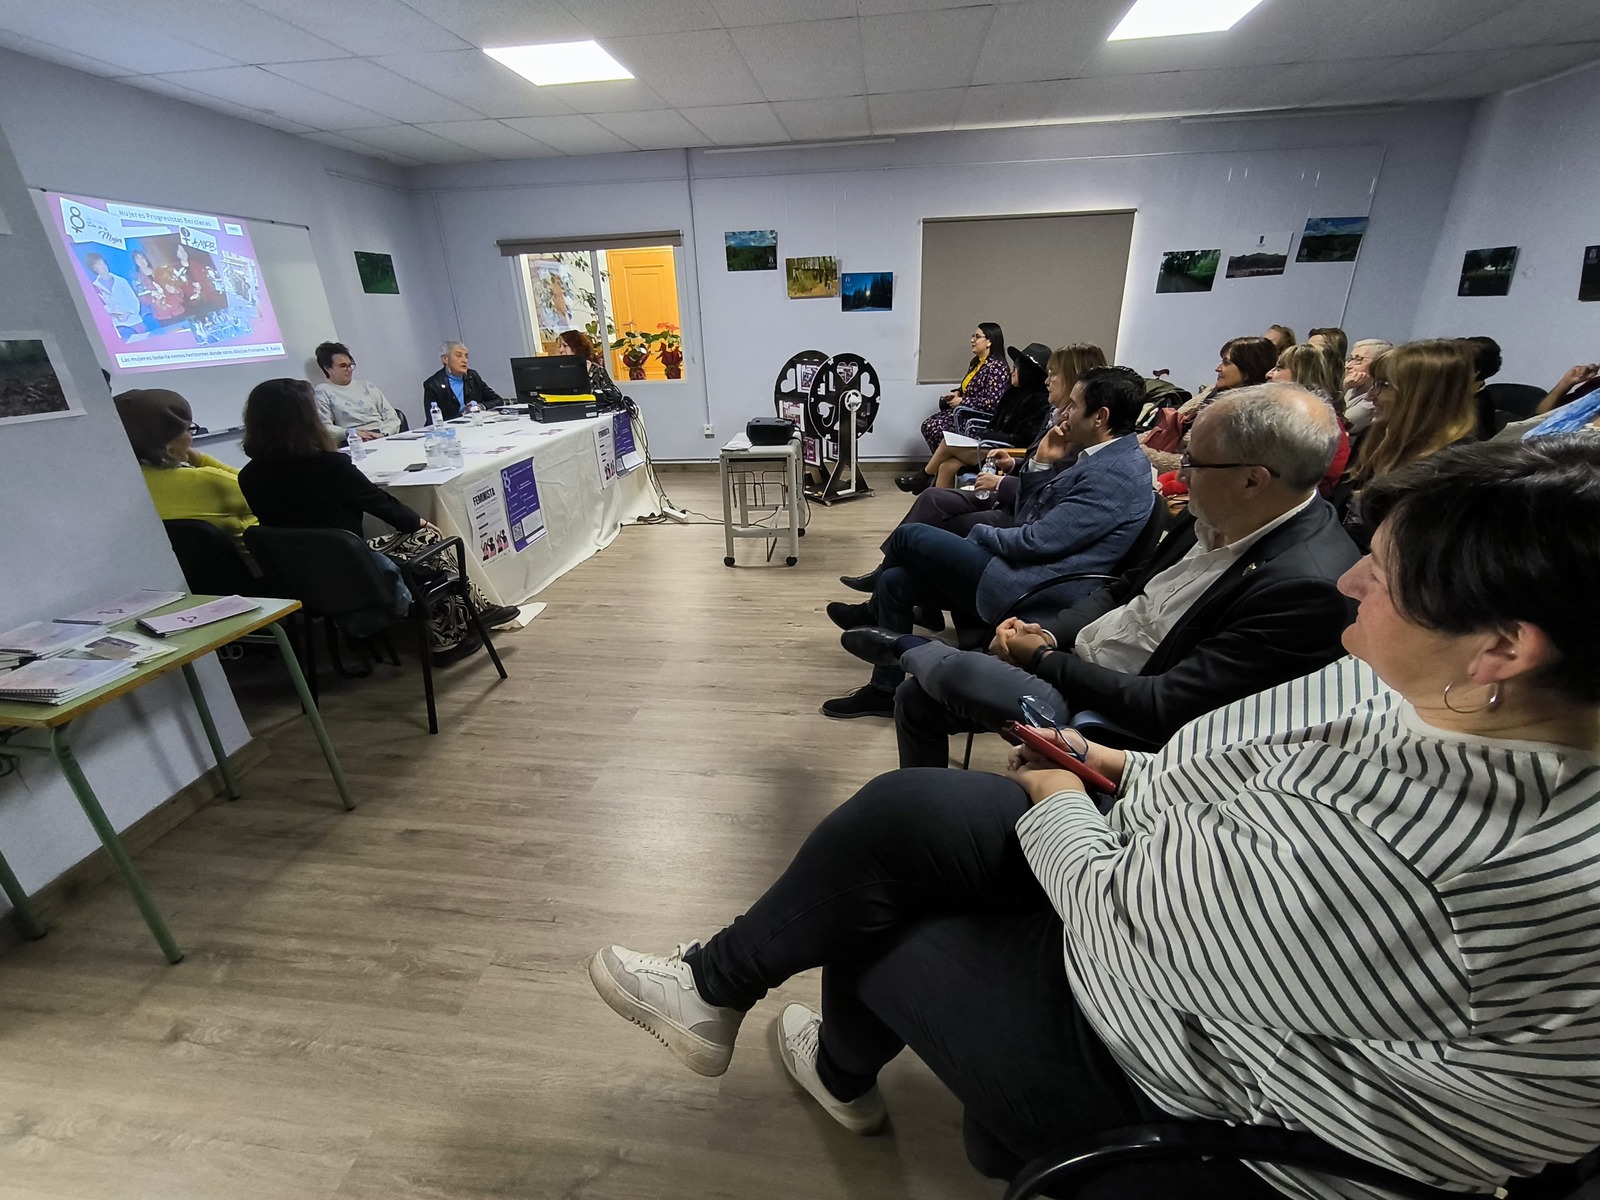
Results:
[560, 62]
[1170, 18]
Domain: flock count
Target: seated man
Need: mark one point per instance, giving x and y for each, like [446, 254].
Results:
[455, 385]
[1241, 595]
[345, 402]
[1079, 520]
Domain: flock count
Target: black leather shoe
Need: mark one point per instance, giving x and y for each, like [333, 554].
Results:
[873, 645]
[861, 583]
[849, 616]
[863, 702]
[929, 618]
[916, 483]
[500, 614]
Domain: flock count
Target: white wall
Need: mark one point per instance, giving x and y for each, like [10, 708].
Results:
[1194, 184]
[1530, 178]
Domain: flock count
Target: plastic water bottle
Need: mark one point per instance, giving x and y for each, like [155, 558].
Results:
[474, 412]
[435, 417]
[988, 469]
[433, 445]
[452, 450]
[358, 448]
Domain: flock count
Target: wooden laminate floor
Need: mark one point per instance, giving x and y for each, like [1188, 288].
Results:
[392, 1003]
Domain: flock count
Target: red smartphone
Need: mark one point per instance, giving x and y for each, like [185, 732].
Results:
[1024, 735]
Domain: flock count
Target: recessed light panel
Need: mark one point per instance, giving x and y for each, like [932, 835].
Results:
[1171, 18]
[560, 62]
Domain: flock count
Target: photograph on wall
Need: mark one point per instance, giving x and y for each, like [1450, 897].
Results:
[1266, 255]
[167, 289]
[752, 249]
[811, 278]
[1487, 272]
[377, 273]
[866, 291]
[1188, 270]
[30, 389]
[1331, 239]
[1589, 281]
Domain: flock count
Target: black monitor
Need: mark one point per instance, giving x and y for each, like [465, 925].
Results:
[550, 375]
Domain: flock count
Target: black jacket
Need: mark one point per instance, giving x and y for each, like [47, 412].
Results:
[1019, 417]
[1273, 616]
[436, 390]
[322, 491]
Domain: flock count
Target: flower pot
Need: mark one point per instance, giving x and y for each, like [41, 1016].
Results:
[672, 360]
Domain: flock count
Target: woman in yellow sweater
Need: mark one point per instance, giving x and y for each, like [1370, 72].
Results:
[185, 484]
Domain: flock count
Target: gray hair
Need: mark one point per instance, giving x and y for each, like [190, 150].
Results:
[446, 347]
[1271, 424]
[1378, 346]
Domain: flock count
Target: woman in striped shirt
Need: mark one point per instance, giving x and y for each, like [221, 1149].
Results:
[1364, 904]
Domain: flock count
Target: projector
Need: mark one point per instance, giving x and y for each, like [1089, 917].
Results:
[770, 431]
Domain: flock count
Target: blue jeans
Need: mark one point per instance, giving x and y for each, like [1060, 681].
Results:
[364, 622]
[923, 565]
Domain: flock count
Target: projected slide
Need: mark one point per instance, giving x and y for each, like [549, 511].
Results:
[168, 289]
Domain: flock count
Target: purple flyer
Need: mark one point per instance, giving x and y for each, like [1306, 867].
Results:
[522, 504]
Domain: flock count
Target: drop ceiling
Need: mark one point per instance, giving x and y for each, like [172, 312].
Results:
[406, 80]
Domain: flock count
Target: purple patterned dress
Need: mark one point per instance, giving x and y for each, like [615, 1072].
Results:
[982, 392]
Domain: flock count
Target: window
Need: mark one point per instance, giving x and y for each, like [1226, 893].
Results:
[624, 295]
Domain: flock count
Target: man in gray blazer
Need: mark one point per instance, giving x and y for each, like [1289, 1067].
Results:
[1081, 518]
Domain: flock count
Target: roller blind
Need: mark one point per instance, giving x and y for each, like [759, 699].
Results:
[598, 241]
[1053, 278]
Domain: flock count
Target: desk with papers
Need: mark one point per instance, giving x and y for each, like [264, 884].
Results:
[531, 501]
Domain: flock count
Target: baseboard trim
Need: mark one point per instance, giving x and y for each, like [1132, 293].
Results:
[55, 896]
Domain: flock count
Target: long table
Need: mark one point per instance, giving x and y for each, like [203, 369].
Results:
[507, 461]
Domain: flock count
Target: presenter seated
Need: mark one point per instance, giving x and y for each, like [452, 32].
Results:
[454, 385]
[577, 343]
[345, 402]
[1361, 905]
[185, 484]
[1079, 520]
[1240, 596]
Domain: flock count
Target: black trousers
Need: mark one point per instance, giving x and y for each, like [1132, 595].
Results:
[932, 932]
[960, 512]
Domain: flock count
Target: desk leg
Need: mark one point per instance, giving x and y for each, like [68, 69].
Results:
[727, 511]
[27, 920]
[113, 844]
[230, 785]
[286, 650]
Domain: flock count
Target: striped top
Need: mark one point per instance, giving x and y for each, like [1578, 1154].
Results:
[1312, 910]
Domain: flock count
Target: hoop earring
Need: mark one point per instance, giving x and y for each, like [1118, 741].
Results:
[1489, 705]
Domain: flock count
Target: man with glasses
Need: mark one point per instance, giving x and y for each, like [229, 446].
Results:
[345, 402]
[1240, 596]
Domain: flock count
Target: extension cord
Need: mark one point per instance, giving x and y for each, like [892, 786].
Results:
[675, 514]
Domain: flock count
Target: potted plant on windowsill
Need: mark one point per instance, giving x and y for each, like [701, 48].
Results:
[669, 350]
[635, 347]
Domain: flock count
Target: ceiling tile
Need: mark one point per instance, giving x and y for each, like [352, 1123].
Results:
[689, 69]
[907, 52]
[1295, 84]
[806, 61]
[1041, 40]
[493, 138]
[478, 81]
[738, 124]
[661, 129]
[916, 112]
[1523, 24]
[1168, 94]
[415, 143]
[1426, 24]
[365, 27]
[360, 81]
[1398, 78]
[824, 120]
[256, 88]
[339, 142]
[162, 87]
[629, 18]
[1510, 68]
[65, 58]
[778, 12]
[994, 105]
[503, 22]
[614, 95]
[108, 35]
[234, 28]
[879, 8]
[570, 135]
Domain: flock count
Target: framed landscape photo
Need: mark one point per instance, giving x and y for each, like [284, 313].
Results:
[751, 249]
[377, 273]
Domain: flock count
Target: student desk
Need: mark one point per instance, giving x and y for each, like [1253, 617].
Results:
[55, 720]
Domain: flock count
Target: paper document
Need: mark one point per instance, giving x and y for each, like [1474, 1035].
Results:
[122, 647]
[123, 608]
[409, 435]
[960, 441]
[432, 477]
[739, 441]
[202, 614]
[58, 680]
[631, 461]
[41, 639]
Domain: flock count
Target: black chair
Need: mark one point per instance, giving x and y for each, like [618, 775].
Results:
[405, 425]
[332, 573]
[211, 563]
[1515, 400]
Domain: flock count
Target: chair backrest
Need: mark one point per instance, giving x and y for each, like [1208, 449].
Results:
[210, 560]
[1145, 544]
[330, 571]
[1516, 400]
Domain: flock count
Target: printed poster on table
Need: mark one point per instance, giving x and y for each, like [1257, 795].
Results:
[628, 457]
[606, 451]
[522, 504]
[491, 532]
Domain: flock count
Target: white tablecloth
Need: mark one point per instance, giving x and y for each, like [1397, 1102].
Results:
[581, 513]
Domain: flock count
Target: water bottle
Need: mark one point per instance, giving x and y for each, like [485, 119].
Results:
[988, 468]
[433, 446]
[474, 412]
[358, 448]
[435, 417]
[452, 450]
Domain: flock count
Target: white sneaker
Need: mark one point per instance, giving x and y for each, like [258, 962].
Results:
[658, 994]
[797, 1030]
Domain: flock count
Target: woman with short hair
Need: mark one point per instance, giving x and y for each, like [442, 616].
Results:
[1358, 383]
[1242, 362]
[184, 484]
[1362, 905]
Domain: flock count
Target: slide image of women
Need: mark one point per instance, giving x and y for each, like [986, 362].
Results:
[163, 303]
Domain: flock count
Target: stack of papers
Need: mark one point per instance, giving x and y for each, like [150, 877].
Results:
[121, 647]
[123, 608]
[40, 639]
[202, 614]
[60, 680]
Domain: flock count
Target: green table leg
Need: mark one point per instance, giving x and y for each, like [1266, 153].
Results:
[27, 920]
[228, 782]
[286, 649]
[113, 844]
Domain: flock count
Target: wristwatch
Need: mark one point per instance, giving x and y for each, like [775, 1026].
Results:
[1037, 657]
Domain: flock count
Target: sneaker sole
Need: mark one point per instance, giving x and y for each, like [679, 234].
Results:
[861, 1127]
[701, 1056]
[885, 716]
